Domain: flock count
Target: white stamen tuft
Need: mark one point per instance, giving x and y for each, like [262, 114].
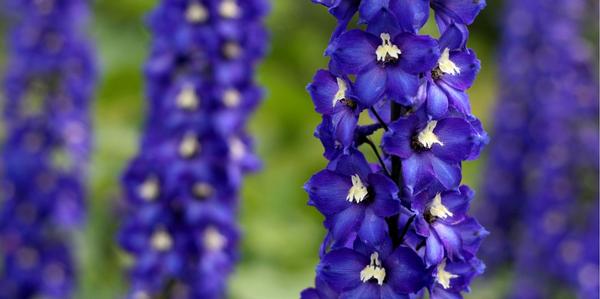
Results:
[373, 270]
[231, 98]
[437, 208]
[232, 50]
[141, 295]
[358, 192]
[237, 148]
[187, 99]
[446, 65]
[196, 13]
[213, 240]
[341, 93]
[427, 138]
[387, 49]
[444, 277]
[203, 190]
[161, 240]
[149, 189]
[189, 146]
[229, 9]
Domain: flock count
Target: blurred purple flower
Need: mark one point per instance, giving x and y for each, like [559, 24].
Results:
[540, 162]
[182, 189]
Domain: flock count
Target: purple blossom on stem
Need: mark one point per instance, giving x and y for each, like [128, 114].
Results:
[400, 226]
[48, 87]
[182, 189]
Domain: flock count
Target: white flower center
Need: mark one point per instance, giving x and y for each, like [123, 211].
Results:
[231, 98]
[149, 189]
[373, 270]
[427, 138]
[237, 148]
[443, 276]
[387, 50]
[187, 99]
[358, 192]
[232, 50]
[229, 9]
[213, 240]
[437, 208]
[189, 146]
[161, 240]
[341, 93]
[446, 65]
[203, 190]
[141, 295]
[196, 13]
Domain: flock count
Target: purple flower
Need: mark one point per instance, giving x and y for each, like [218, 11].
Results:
[332, 97]
[454, 74]
[431, 150]
[385, 64]
[354, 199]
[364, 272]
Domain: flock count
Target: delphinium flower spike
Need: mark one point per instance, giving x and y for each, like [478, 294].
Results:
[545, 152]
[182, 188]
[48, 86]
[398, 227]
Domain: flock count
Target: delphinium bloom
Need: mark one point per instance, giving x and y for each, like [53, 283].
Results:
[48, 86]
[182, 189]
[540, 202]
[399, 227]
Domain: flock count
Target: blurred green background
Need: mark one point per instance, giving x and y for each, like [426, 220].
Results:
[281, 233]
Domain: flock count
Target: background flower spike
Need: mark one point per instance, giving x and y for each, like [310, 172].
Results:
[182, 190]
[48, 87]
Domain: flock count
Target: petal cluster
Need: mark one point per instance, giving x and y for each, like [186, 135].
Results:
[182, 189]
[49, 80]
[400, 226]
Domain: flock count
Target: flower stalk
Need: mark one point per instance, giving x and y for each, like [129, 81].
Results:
[410, 232]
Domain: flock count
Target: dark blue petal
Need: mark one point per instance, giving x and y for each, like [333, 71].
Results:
[401, 86]
[323, 90]
[365, 290]
[412, 14]
[455, 134]
[463, 11]
[347, 221]
[419, 53]
[355, 50]
[370, 85]
[386, 202]
[469, 67]
[434, 250]
[437, 101]
[405, 271]
[327, 191]
[447, 174]
[341, 268]
[369, 9]
[373, 230]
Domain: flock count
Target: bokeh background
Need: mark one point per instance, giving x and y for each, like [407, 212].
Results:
[281, 233]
